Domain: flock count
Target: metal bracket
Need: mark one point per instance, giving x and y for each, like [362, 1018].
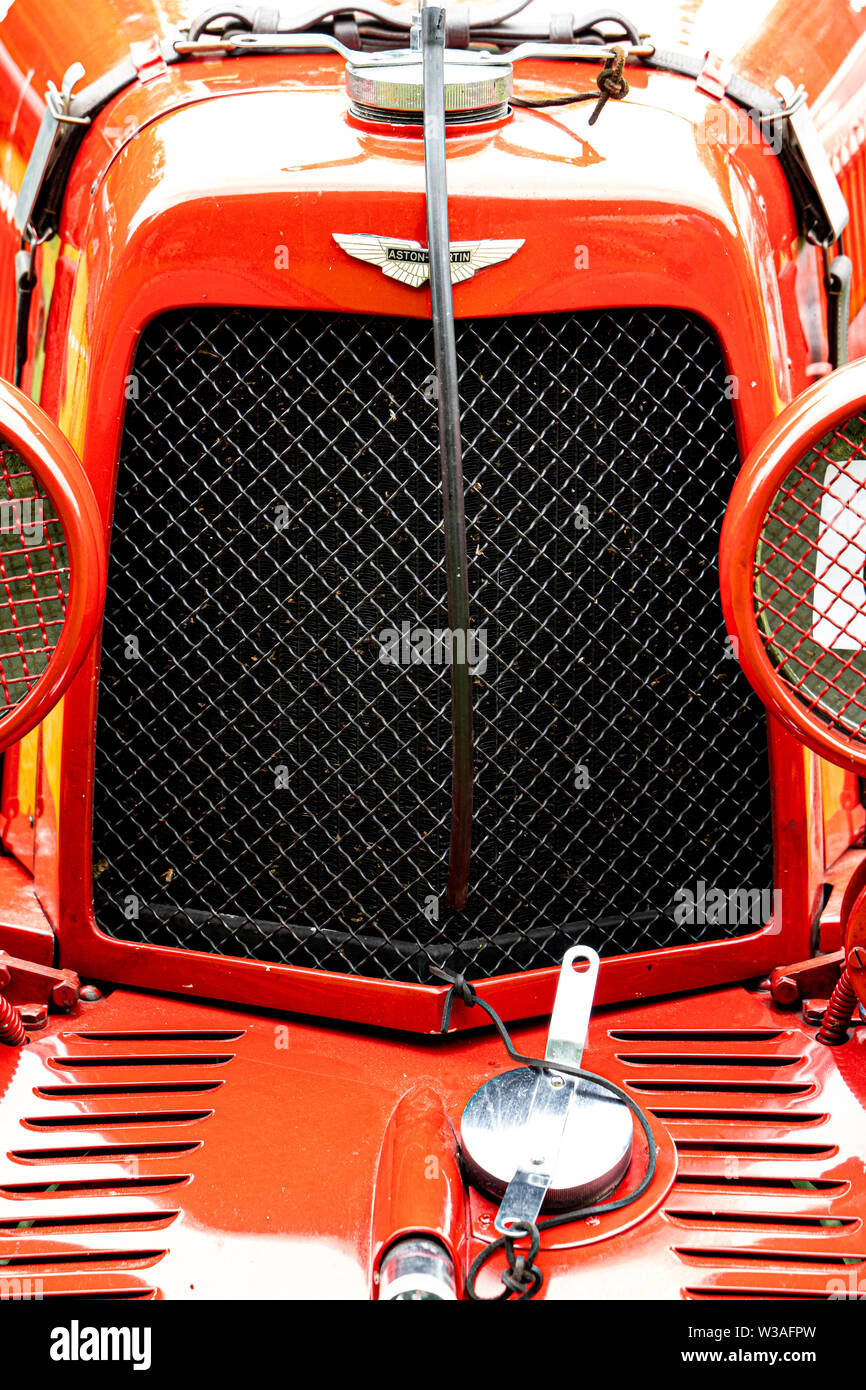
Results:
[310, 42]
[35, 988]
[57, 108]
[54, 122]
[806, 979]
[147, 59]
[569, 1021]
[813, 183]
[715, 77]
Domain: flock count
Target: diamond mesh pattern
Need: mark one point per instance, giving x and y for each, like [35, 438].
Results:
[34, 580]
[267, 786]
[810, 600]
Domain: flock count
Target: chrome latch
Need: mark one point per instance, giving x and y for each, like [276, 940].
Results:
[57, 114]
[543, 1137]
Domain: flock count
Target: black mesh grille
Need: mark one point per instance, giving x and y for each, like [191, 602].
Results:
[267, 786]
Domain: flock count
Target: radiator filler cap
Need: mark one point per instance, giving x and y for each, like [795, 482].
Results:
[389, 88]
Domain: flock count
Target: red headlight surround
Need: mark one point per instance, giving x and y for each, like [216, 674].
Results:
[789, 559]
[53, 590]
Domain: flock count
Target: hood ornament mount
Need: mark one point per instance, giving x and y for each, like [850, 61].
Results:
[409, 261]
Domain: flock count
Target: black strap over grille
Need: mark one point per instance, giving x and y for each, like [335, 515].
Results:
[450, 451]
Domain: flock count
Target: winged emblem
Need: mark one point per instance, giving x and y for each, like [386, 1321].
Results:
[409, 261]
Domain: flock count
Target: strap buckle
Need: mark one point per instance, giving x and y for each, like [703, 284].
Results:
[715, 76]
[147, 59]
[57, 115]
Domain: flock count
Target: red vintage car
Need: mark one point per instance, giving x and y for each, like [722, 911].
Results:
[432, 608]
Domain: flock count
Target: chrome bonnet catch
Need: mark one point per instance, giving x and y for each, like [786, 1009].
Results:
[543, 1138]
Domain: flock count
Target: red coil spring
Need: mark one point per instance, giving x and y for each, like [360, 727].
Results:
[11, 1025]
[843, 1001]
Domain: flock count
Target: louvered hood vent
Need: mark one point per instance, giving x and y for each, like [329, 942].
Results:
[89, 1194]
[763, 1204]
[189, 1161]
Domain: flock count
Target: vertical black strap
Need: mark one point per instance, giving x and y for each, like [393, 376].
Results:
[433, 54]
[25, 283]
[837, 277]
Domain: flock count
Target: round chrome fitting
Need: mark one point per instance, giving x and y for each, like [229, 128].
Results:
[417, 1268]
[391, 88]
[497, 1133]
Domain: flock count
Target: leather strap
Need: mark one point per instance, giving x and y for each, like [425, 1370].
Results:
[86, 103]
[742, 93]
[838, 275]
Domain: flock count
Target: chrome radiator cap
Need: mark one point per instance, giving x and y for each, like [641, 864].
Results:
[389, 87]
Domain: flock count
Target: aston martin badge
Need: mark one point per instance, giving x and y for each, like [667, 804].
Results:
[409, 261]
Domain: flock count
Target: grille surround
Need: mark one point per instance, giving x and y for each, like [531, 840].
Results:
[532, 508]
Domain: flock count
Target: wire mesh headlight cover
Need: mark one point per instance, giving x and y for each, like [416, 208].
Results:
[52, 565]
[793, 567]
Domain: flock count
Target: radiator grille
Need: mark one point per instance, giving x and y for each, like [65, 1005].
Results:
[267, 786]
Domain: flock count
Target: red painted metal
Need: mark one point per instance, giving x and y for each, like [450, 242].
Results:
[196, 159]
[236, 137]
[167, 1147]
[844, 812]
[418, 1187]
[24, 928]
[821, 409]
[163, 1147]
[36, 439]
[853, 926]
